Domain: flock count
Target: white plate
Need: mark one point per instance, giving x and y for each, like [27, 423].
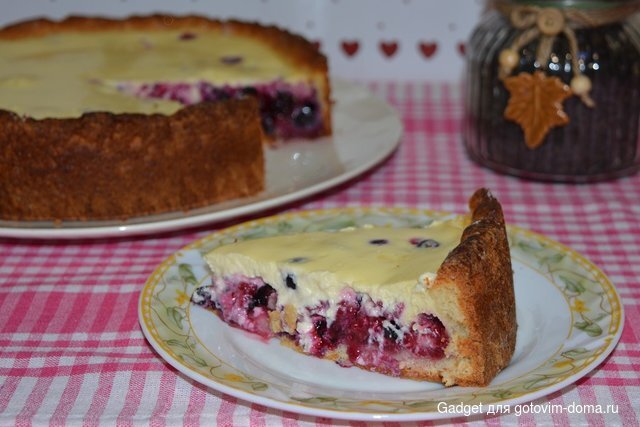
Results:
[366, 131]
[569, 319]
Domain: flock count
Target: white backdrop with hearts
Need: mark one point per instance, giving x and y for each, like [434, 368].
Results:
[364, 39]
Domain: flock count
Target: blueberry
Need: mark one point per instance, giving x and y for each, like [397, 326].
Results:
[202, 296]
[248, 91]
[290, 281]
[391, 331]
[268, 124]
[390, 334]
[212, 93]
[428, 243]
[221, 94]
[231, 60]
[319, 324]
[359, 299]
[187, 36]
[297, 260]
[379, 242]
[283, 103]
[261, 297]
[305, 116]
[424, 243]
[207, 92]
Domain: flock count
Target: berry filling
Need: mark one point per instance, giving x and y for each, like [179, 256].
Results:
[287, 110]
[370, 334]
[245, 305]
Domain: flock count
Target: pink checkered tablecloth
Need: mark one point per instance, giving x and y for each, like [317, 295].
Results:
[72, 351]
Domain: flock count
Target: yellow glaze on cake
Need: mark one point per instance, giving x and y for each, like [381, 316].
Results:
[324, 263]
[66, 74]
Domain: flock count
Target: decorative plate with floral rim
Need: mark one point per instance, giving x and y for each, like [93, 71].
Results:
[569, 319]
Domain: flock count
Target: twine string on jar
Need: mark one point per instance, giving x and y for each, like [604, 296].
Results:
[545, 24]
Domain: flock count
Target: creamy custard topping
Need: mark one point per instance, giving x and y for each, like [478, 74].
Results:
[389, 264]
[67, 74]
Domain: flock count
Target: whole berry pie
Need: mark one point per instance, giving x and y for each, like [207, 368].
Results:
[113, 118]
[434, 303]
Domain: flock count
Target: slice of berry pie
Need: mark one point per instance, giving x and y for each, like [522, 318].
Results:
[433, 303]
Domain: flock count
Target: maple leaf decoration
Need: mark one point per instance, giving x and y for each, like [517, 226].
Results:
[536, 104]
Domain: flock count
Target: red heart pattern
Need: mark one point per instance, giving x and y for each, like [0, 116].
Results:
[388, 48]
[428, 49]
[350, 47]
[462, 48]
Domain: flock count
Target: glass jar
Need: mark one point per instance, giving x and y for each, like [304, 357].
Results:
[598, 141]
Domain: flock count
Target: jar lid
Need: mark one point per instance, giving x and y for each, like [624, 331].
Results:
[576, 4]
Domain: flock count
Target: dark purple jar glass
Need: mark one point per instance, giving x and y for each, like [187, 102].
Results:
[599, 142]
